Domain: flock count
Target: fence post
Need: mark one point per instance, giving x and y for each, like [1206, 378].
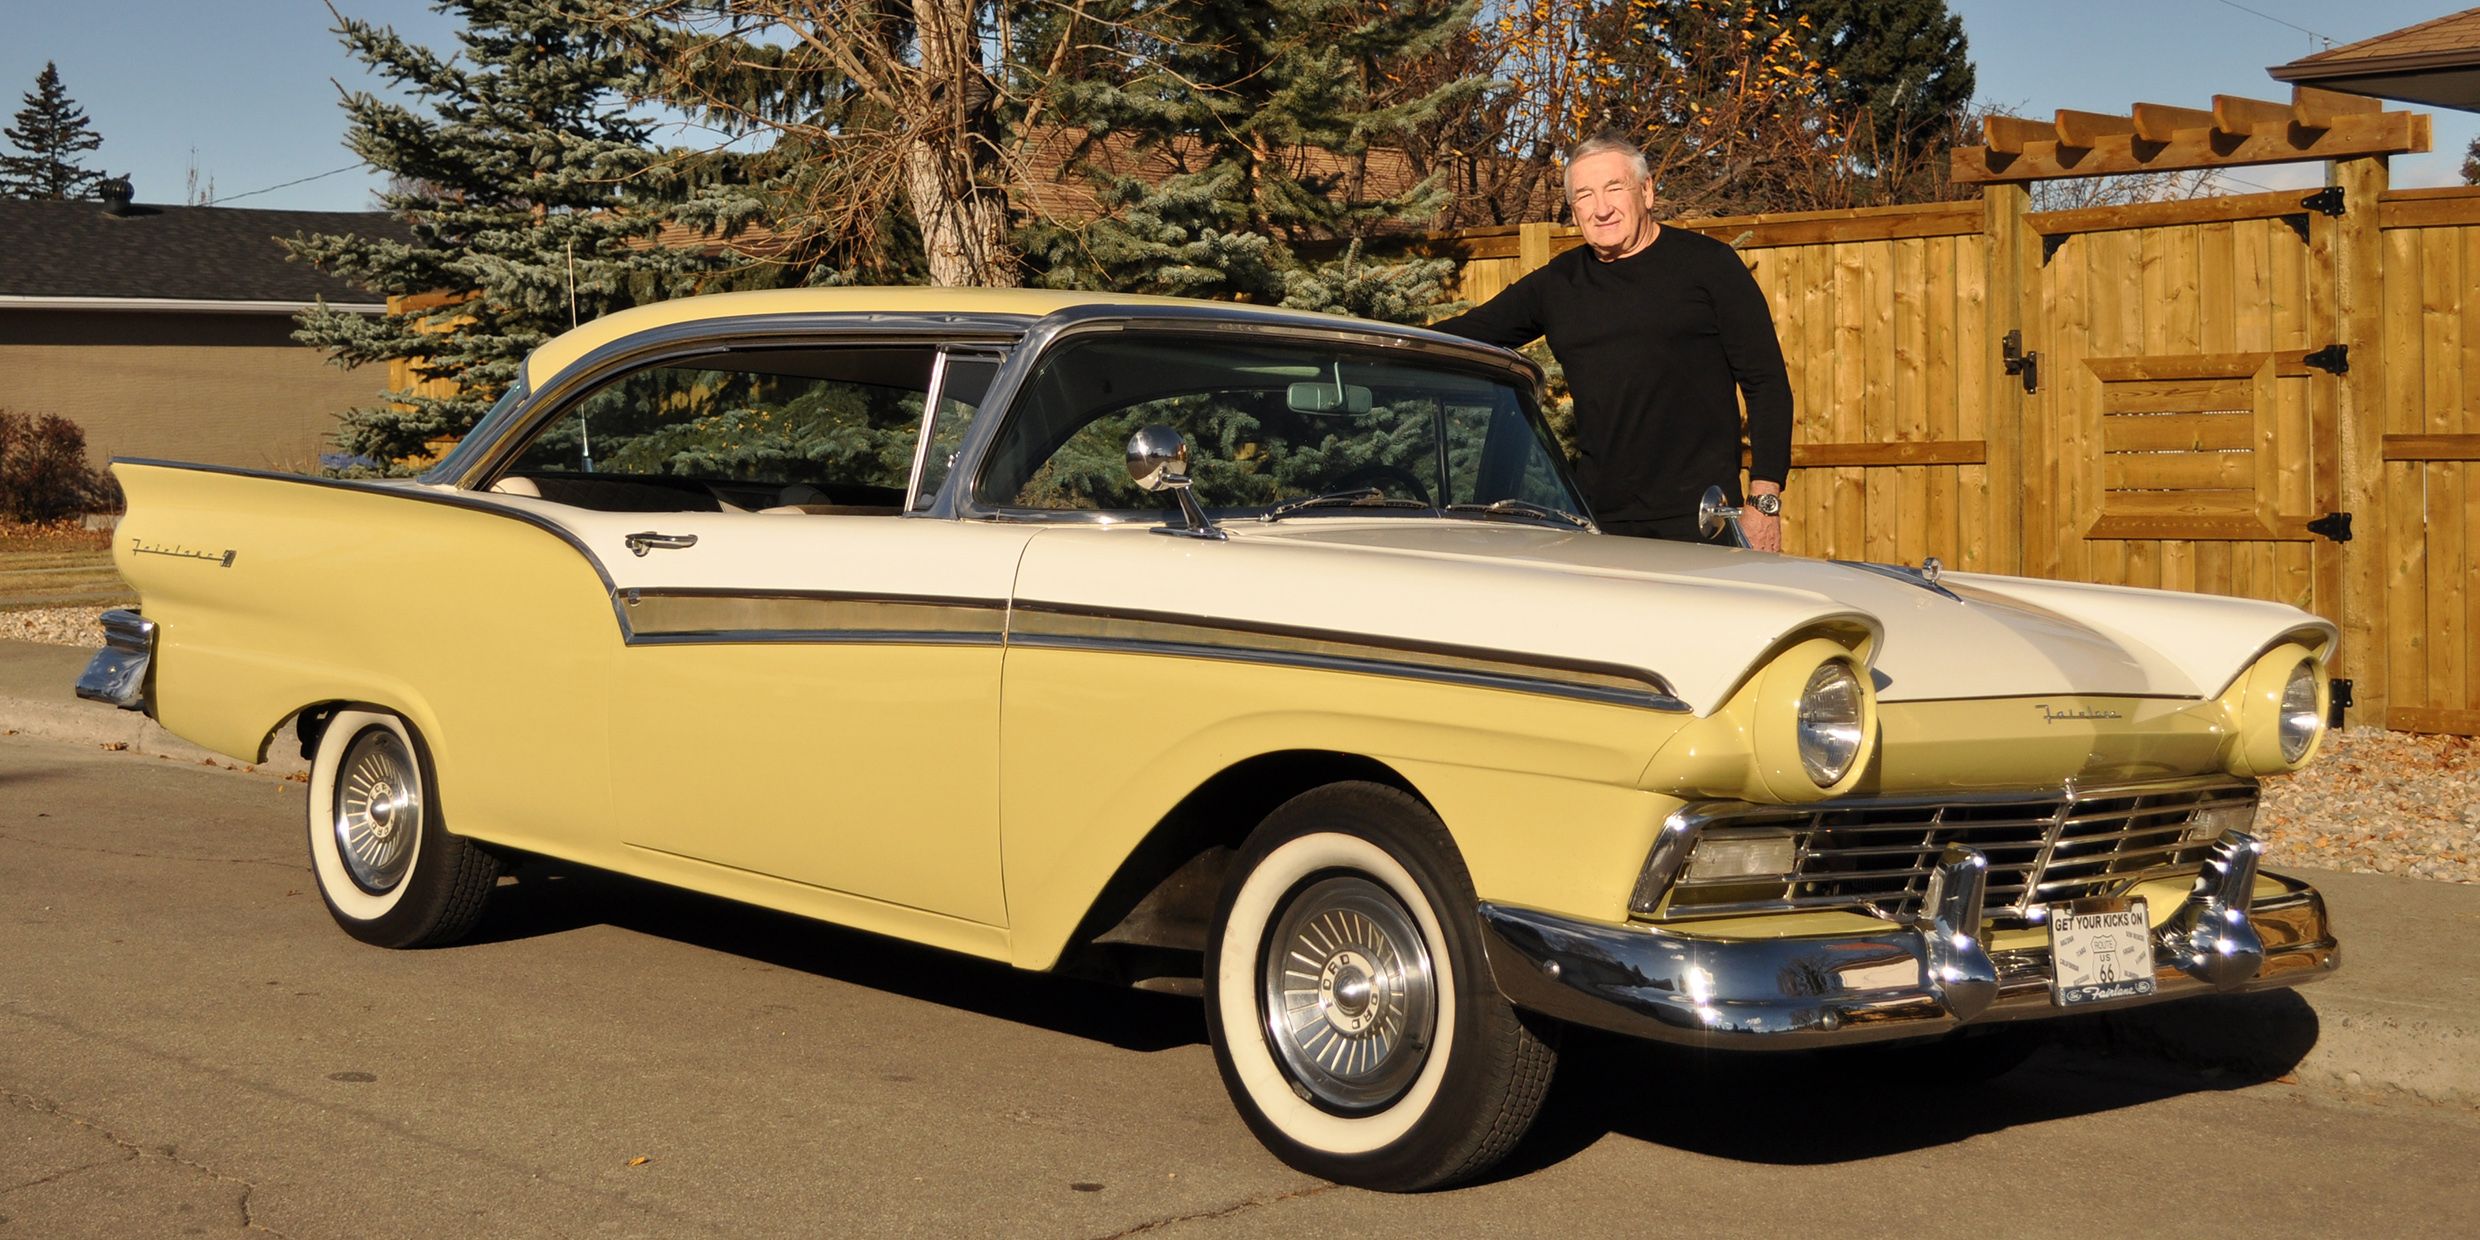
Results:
[2008, 309]
[2359, 282]
[1532, 247]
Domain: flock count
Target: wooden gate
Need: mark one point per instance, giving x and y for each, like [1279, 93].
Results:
[2183, 426]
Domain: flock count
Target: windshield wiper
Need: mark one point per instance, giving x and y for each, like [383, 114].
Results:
[1521, 508]
[1357, 497]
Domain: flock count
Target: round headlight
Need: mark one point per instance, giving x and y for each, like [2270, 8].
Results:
[2300, 720]
[1829, 722]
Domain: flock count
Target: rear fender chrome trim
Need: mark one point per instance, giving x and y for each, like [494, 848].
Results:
[118, 672]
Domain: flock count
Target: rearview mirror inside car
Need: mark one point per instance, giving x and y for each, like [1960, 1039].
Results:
[1328, 398]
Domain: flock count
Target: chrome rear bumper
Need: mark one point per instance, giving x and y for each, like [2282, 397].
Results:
[1907, 981]
[117, 673]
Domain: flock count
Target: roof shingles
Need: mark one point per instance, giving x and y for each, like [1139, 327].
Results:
[76, 249]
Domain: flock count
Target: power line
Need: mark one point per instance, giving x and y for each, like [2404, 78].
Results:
[217, 202]
[2320, 35]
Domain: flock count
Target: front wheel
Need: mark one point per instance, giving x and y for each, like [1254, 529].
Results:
[1351, 1010]
[390, 872]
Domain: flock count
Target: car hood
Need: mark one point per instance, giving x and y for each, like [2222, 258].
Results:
[1701, 618]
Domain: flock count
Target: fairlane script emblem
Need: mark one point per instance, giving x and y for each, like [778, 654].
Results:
[2053, 716]
[138, 547]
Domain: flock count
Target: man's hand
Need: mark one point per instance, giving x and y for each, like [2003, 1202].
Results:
[1764, 533]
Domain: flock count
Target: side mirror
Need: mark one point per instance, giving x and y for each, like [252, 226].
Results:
[1712, 514]
[1158, 461]
[1157, 458]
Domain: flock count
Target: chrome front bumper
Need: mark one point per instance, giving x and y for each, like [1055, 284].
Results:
[117, 673]
[1907, 981]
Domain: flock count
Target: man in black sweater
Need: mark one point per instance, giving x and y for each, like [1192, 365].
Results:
[1660, 330]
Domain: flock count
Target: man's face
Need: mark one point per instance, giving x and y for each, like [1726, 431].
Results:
[1612, 207]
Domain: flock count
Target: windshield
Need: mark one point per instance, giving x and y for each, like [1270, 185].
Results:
[1268, 421]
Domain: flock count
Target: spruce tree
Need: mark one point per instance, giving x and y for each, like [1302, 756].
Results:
[52, 131]
[1904, 63]
[524, 179]
[1253, 151]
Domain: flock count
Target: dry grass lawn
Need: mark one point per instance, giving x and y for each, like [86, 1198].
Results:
[60, 565]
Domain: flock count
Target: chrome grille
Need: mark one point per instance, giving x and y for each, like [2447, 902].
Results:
[2042, 848]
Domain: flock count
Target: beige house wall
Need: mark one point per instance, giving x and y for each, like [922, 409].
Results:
[221, 389]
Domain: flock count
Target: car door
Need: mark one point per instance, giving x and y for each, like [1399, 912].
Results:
[808, 689]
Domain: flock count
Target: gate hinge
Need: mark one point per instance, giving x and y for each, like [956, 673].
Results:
[2333, 525]
[2334, 358]
[2327, 200]
[2341, 697]
[2011, 354]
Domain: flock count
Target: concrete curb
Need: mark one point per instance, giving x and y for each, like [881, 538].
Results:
[26, 668]
[2401, 1016]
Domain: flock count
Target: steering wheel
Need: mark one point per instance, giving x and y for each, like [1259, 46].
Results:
[1381, 472]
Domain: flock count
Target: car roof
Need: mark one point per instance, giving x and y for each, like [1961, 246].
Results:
[985, 304]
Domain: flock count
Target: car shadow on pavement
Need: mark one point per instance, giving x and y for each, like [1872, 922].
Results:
[547, 898]
[1798, 1108]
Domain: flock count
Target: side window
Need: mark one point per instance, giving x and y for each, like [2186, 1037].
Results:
[964, 382]
[777, 430]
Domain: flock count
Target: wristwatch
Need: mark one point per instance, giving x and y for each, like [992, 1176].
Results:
[1766, 502]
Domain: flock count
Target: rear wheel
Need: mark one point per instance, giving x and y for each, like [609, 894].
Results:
[390, 872]
[1352, 1013]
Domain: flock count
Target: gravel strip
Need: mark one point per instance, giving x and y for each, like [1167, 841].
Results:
[53, 626]
[2374, 802]
[2379, 802]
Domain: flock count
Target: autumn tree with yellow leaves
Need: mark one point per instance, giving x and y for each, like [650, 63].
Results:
[1741, 105]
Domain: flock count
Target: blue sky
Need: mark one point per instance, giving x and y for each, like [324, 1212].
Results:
[245, 91]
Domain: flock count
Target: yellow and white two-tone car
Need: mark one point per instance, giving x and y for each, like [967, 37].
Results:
[1264, 656]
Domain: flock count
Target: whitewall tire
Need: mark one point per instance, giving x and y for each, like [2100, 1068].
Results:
[389, 870]
[1351, 1010]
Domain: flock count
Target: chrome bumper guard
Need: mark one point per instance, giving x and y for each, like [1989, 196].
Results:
[1908, 981]
[117, 673]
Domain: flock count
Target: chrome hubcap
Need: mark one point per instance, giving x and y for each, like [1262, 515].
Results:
[1349, 994]
[378, 810]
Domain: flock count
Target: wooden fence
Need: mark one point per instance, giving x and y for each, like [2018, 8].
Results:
[2270, 395]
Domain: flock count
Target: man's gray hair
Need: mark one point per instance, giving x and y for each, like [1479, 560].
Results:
[1610, 142]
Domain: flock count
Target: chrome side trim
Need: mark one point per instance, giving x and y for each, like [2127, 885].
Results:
[1060, 626]
[118, 673]
[675, 617]
[1795, 993]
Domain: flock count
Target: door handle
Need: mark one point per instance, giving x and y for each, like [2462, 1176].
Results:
[647, 540]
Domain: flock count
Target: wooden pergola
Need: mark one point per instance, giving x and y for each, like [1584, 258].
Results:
[2155, 137]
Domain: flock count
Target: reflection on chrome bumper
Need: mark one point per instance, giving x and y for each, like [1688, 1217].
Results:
[117, 673]
[1902, 982]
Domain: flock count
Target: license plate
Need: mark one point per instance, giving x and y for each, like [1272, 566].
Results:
[2099, 950]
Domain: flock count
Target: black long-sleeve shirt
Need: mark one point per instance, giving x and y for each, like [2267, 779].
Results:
[1657, 346]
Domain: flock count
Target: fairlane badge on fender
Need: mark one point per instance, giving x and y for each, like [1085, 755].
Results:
[224, 560]
[2051, 714]
[1266, 657]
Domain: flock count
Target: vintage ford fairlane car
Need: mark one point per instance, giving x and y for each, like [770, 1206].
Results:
[1263, 656]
